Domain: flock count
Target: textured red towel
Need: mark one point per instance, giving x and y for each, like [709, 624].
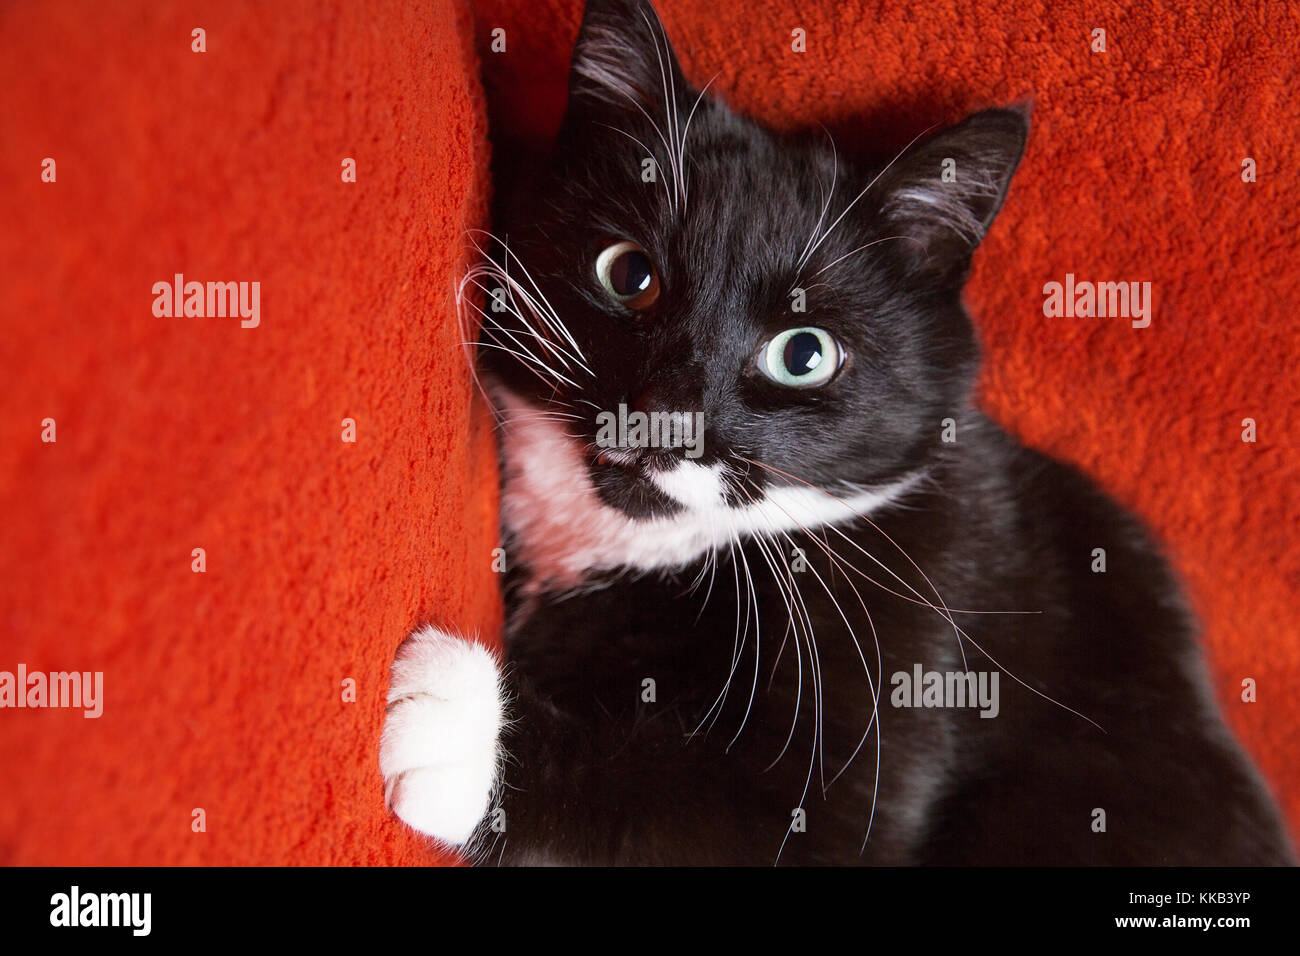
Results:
[223, 690]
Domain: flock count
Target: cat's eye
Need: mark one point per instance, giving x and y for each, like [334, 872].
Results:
[801, 358]
[626, 272]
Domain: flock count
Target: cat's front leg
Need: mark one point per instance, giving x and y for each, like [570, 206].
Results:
[440, 753]
[573, 793]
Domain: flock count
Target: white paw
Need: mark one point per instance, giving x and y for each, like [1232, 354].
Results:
[439, 752]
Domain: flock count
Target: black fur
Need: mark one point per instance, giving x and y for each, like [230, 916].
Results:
[597, 775]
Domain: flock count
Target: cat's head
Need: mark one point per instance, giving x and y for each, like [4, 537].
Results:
[679, 258]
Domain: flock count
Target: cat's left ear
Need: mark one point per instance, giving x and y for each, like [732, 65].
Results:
[944, 193]
[623, 63]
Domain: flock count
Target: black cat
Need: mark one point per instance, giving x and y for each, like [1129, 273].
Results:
[848, 620]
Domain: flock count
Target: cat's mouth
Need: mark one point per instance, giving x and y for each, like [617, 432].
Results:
[566, 471]
[657, 485]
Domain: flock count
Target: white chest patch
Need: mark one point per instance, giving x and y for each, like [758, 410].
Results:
[562, 530]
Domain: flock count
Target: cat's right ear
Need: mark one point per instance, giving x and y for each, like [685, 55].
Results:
[623, 66]
[944, 193]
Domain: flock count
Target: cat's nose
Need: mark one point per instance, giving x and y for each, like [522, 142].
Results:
[642, 401]
[668, 428]
[666, 401]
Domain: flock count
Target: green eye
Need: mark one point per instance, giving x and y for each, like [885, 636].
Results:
[626, 272]
[802, 358]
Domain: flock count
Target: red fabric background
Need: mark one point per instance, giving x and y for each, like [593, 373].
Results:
[222, 690]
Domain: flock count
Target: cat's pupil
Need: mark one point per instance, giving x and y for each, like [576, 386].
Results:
[803, 353]
[631, 273]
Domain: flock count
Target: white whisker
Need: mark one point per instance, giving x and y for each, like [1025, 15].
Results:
[803, 260]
